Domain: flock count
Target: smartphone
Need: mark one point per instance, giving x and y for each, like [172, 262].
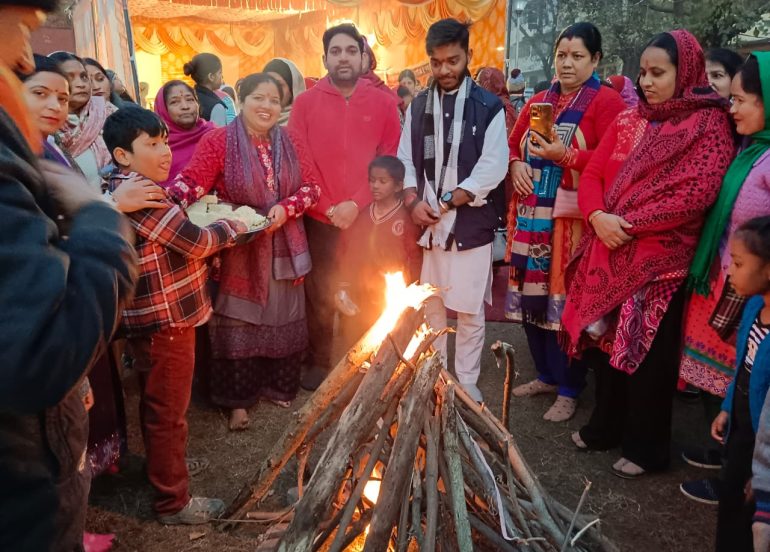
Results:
[541, 121]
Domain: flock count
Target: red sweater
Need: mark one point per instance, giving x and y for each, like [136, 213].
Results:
[597, 118]
[341, 137]
[621, 138]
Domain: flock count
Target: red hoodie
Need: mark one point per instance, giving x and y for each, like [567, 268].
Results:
[341, 137]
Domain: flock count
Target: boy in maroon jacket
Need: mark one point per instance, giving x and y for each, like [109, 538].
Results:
[382, 240]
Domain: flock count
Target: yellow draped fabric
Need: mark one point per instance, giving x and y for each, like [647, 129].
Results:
[397, 27]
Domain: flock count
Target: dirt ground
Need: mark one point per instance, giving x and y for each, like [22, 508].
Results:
[642, 515]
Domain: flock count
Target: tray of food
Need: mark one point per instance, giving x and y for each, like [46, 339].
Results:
[209, 209]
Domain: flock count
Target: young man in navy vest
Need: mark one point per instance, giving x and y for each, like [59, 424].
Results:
[455, 148]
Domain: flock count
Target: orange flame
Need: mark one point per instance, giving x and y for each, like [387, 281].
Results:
[372, 487]
[398, 297]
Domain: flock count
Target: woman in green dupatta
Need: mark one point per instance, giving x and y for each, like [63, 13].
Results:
[714, 309]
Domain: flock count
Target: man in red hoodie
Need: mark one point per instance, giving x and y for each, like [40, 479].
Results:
[341, 124]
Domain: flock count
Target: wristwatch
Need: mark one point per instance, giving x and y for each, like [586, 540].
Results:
[447, 200]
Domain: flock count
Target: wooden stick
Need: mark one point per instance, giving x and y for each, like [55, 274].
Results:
[452, 456]
[431, 484]
[298, 428]
[574, 517]
[515, 501]
[334, 410]
[490, 534]
[514, 456]
[302, 455]
[357, 528]
[413, 409]
[354, 425]
[417, 506]
[403, 520]
[358, 491]
[269, 517]
[491, 491]
[505, 354]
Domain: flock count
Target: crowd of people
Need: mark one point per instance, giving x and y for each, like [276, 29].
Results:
[636, 232]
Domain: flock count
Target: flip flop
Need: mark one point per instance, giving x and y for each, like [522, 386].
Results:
[618, 470]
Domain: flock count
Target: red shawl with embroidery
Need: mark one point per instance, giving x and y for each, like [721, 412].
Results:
[664, 188]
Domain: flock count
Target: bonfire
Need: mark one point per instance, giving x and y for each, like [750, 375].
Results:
[411, 461]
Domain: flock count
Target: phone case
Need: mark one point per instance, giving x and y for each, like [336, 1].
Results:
[541, 120]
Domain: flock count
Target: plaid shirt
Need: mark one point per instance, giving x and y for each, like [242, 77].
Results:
[171, 291]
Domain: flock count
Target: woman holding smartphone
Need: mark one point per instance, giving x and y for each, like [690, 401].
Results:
[551, 144]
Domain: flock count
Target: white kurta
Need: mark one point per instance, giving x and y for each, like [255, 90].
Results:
[464, 278]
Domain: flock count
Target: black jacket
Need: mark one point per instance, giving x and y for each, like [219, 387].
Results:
[59, 305]
[475, 226]
[207, 100]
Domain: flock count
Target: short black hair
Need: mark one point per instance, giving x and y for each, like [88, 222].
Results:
[346, 29]
[588, 33]
[44, 64]
[755, 235]
[403, 92]
[750, 79]
[127, 124]
[393, 165]
[250, 83]
[447, 31]
[45, 5]
[201, 66]
[727, 58]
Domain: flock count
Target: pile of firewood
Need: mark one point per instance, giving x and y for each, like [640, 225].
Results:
[411, 463]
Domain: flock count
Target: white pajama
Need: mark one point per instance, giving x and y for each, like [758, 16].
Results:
[464, 281]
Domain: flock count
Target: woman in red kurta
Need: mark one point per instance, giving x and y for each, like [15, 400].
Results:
[645, 194]
[258, 331]
[545, 225]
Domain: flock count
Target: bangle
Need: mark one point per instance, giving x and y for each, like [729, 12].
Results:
[595, 214]
[330, 211]
[568, 158]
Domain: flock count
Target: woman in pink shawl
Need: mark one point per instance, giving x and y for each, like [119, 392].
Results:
[177, 104]
[81, 136]
[493, 80]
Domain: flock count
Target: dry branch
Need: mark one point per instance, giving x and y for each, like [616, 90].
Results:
[454, 464]
[413, 410]
[293, 437]
[354, 426]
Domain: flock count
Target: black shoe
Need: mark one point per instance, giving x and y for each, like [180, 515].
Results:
[313, 377]
[705, 491]
[709, 459]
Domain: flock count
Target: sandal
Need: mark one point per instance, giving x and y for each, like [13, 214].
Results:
[561, 410]
[239, 422]
[196, 466]
[534, 387]
[625, 469]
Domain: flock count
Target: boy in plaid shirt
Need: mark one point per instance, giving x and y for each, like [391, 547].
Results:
[171, 299]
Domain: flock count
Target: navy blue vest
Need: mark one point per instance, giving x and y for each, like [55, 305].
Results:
[475, 226]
